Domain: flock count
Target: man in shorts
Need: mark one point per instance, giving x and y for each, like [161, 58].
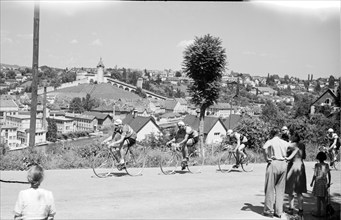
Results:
[334, 145]
[242, 142]
[127, 139]
[190, 139]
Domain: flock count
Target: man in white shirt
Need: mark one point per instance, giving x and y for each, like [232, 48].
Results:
[275, 151]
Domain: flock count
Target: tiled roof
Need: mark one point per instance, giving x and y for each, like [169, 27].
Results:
[234, 121]
[138, 122]
[170, 104]
[98, 115]
[194, 122]
[4, 103]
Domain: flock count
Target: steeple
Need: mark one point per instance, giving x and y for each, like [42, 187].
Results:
[100, 63]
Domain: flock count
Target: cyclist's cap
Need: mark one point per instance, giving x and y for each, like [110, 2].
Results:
[229, 132]
[181, 124]
[284, 128]
[330, 130]
[118, 122]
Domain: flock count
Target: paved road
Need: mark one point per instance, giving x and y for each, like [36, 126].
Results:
[208, 195]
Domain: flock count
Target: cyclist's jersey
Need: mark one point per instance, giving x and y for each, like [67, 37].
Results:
[241, 137]
[127, 132]
[191, 132]
[331, 138]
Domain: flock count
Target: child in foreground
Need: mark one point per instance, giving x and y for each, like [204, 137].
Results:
[322, 179]
[35, 203]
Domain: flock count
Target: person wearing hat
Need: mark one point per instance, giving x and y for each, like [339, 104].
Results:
[126, 139]
[242, 142]
[334, 145]
[188, 137]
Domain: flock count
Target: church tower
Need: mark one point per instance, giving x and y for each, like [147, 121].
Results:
[100, 72]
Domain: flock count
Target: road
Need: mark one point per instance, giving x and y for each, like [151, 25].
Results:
[208, 195]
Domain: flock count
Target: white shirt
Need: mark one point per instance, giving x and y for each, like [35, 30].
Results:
[278, 147]
[35, 204]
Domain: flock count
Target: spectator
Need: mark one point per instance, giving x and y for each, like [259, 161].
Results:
[35, 203]
[285, 133]
[275, 151]
[296, 176]
[321, 181]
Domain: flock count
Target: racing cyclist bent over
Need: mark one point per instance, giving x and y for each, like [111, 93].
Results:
[190, 139]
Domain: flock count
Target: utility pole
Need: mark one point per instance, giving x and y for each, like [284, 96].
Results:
[34, 75]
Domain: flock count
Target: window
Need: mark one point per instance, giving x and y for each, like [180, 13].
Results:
[327, 101]
[216, 133]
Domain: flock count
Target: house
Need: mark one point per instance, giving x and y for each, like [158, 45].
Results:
[64, 125]
[263, 91]
[8, 134]
[143, 126]
[22, 121]
[214, 128]
[24, 137]
[173, 105]
[328, 98]
[104, 120]
[220, 110]
[83, 122]
[7, 107]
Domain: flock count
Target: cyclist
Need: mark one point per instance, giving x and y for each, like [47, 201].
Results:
[242, 142]
[191, 137]
[127, 139]
[334, 145]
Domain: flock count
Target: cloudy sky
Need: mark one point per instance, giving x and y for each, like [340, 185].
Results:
[260, 37]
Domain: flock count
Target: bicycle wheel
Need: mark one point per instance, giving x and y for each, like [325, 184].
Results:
[226, 161]
[169, 162]
[103, 164]
[196, 161]
[248, 162]
[135, 160]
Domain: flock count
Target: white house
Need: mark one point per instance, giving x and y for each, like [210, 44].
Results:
[143, 126]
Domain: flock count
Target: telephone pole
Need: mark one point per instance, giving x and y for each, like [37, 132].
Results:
[34, 75]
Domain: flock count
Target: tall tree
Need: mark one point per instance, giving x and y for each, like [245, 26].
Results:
[76, 105]
[51, 134]
[331, 82]
[204, 62]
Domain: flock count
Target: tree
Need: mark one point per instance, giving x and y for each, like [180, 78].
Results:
[51, 134]
[331, 82]
[88, 103]
[76, 105]
[317, 87]
[11, 74]
[269, 111]
[177, 74]
[204, 62]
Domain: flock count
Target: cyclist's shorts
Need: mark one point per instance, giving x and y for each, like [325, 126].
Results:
[195, 140]
[131, 141]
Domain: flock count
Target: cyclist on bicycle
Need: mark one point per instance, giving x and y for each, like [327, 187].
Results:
[127, 139]
[242, 142]
[190, 139]
[334, 145]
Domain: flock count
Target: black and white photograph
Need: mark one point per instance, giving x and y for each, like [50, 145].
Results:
[170, 109]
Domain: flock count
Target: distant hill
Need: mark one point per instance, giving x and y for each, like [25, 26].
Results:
[11, 66]
[100, 91]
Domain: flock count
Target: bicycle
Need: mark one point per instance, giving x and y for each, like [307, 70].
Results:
[228, 160]
[336, 165]
[172, 157]
[106, 159]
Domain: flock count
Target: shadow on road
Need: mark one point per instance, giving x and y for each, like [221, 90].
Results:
[250, 207]
[112, 174]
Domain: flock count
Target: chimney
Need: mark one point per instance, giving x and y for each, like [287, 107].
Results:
[134, 113]
[198, 113]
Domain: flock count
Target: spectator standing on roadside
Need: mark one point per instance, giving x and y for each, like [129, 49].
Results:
[275, 151]
[296, 181]
[35, 203]
[321, 182]
[285, 133]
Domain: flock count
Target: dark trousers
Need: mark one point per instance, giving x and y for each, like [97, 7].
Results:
[275, 178]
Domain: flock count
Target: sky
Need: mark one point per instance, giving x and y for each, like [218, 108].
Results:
[291, 37]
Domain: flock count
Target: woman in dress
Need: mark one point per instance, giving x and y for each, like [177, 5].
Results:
[296, 177]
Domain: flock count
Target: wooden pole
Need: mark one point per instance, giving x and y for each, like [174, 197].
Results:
[34, 75]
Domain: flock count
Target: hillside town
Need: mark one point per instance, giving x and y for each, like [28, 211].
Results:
[147, 110]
